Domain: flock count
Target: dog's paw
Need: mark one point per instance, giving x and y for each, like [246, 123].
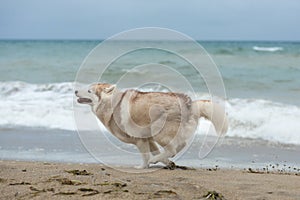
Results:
[141, 167]
[171, 166]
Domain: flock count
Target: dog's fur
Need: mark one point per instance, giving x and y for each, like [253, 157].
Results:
[149, 119]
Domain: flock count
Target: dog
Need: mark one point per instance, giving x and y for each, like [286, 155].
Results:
[149, 119]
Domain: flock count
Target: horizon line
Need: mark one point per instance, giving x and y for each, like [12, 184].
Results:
[98, 39]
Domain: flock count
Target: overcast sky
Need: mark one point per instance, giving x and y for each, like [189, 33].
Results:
[200, 19]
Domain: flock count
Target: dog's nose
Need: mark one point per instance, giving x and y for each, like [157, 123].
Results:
[76, 91]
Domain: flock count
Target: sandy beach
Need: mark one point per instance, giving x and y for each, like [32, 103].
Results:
[39, 164]
[43, 180]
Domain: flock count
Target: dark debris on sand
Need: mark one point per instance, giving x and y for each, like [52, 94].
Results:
[276, 169]
[213, 195]
[173, 166]
[79, 172]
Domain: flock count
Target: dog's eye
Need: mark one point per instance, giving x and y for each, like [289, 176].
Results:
[89, 91]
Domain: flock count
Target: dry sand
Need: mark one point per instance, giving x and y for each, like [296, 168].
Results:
[38, 180]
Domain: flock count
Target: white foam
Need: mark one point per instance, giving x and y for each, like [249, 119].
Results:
[32, 105]
[51, 106]
[267, 120]
[267, 49]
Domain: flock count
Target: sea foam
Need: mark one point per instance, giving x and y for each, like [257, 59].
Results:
[50, 106]
[254, 118]
[36, 105]
[267, 49]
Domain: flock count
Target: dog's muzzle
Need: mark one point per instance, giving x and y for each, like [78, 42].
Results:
[81, 99]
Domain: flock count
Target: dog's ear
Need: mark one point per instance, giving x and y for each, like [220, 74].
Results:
[109, 89]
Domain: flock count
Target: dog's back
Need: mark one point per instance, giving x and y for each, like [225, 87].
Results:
[149, 106]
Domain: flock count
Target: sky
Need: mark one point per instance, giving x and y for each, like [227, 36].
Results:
[199, 19]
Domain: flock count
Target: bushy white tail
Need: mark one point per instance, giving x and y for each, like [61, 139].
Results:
[213, 112]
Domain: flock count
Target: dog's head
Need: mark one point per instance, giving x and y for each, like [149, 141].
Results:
[95, 93]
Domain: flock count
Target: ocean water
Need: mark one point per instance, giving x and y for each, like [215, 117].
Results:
[262, 82]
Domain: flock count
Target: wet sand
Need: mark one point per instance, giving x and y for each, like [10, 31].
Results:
[43, 180]
[65, 146]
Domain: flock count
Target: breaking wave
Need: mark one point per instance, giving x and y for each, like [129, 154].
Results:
[267, 49]
[50, 106]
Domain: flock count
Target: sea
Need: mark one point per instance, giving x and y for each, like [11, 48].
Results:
[37, 79]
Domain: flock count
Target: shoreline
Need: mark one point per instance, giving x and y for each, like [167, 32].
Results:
[65, 146]
[27, 180]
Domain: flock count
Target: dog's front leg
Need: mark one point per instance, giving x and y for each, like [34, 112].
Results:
[144, 148]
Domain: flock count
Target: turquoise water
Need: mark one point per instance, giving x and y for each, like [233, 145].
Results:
[262, 82]
[42, 61]
[247, 73]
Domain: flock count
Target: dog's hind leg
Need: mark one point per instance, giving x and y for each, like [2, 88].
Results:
[163, 157]
[153, 147]
[144, 148]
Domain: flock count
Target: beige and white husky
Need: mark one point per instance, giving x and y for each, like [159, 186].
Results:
[149, 119]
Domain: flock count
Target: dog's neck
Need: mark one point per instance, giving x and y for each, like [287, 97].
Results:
[105, 108]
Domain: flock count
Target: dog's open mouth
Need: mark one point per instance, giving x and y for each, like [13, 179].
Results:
[84, 100]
